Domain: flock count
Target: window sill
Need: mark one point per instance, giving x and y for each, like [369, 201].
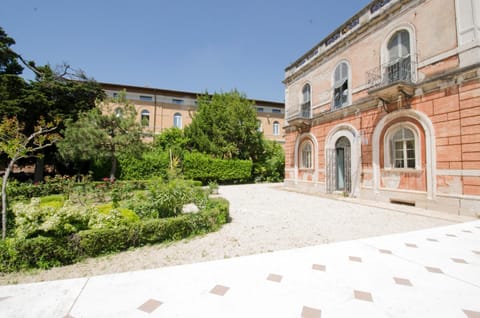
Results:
[404, 170]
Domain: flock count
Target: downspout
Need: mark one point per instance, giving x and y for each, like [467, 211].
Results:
[154, 112]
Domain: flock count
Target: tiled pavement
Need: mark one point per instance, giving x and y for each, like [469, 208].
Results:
[427, 273]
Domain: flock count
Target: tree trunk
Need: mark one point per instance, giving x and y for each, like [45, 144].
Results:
[4, 198]
[39, 168]
[113, 169]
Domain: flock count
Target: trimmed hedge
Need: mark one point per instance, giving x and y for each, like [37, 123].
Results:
[151, 164]
[46, 252]
[204, 168]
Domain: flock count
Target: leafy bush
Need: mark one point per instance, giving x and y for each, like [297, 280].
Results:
[271, 165]
[47, 219]
[205, 168]
[151, 164]
[45, 252]
[163, 199]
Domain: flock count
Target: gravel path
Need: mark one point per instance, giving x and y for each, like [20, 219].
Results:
[265, 218]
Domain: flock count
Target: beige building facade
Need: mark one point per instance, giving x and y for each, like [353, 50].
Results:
[160, 109]
[387, 107]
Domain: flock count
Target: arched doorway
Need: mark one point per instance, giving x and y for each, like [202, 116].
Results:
[343, 165]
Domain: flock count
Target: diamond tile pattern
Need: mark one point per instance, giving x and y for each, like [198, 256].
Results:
[472, 314]
[319, 267]
[362, 295]
[150, 306]
[435, 270]
[274, 278]
[459, 260]
[219, 290]
[355, 259]
[402, 281]
[309, 312]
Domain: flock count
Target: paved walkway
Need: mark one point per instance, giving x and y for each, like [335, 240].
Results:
[427, 273]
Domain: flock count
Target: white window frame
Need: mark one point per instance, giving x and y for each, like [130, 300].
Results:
[306, 162]
[389, 148]
[276, 128]
[348, 102]
[305, 100]
[177, 120]
[385, 56]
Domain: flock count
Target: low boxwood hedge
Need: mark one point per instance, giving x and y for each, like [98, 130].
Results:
[46, 252]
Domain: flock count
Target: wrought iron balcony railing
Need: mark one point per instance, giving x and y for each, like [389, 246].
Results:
[399, 70]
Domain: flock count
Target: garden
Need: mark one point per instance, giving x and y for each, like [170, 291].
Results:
[62, 221]
[99, 181]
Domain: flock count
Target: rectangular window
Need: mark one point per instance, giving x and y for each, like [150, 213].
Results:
[146, 98]
[177, 101]
[275, 110]
[260, 109]
[114, 94]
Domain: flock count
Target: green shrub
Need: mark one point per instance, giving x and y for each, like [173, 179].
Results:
[151, 164]
[162, 199]
[33, 218]
[205, 168]
[45, 252]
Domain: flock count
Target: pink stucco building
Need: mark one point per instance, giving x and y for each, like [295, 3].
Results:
[387, 107]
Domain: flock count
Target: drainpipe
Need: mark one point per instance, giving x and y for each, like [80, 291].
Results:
[154, 112]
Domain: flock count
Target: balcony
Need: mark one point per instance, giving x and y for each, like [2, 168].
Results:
[394, 79]
[301, 118]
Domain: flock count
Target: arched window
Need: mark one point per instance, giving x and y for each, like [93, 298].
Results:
[145, 117]
[399, 60]
[177, 120]
[276, 128]
[118, 112]
[403, 142]
[306, 155]
[306, 101]
[341, 86]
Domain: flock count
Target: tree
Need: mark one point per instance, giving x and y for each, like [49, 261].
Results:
[55, 93]
[106, 131]
[17, 145]
[226, 127]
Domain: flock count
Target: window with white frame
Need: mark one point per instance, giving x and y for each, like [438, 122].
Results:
[276, 128]
[177, 120]
[145, 117]
[306, 101]
[402, 147]
[306, 155]
[399, 60]
[340, 86]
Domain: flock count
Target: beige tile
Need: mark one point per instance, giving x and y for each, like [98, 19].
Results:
[435, 270]
[459, 260]
[472, 314]
[274, 278]
[355, 259]
[411, 245]
[362, 295]
[385, 251]
[219, 290]
[150, 305]
[319, 267]
[309, 312]
[402, 281]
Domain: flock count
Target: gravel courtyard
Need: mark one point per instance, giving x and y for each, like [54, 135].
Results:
[265, 218]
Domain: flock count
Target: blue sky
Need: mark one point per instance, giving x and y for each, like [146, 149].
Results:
[187, 45]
